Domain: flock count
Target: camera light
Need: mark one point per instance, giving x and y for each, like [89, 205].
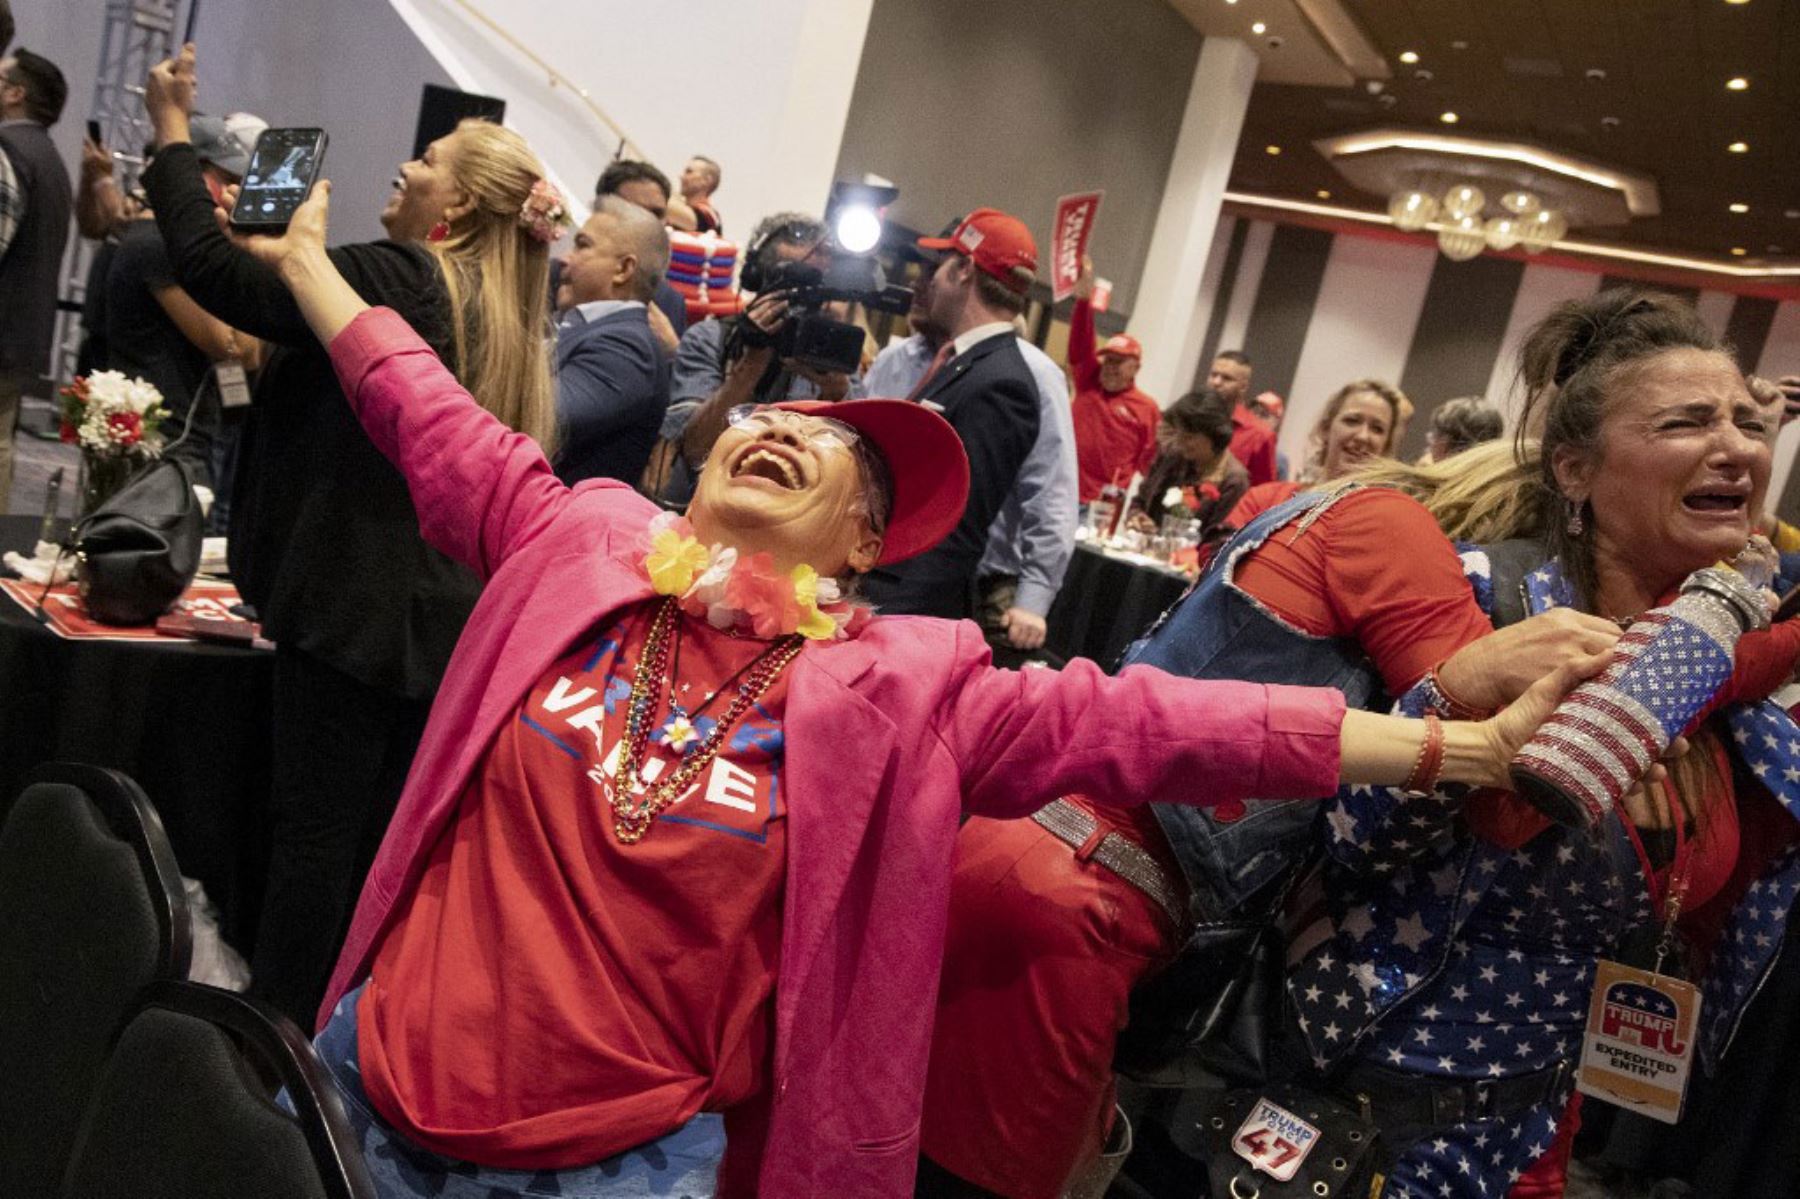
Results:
[858, 228]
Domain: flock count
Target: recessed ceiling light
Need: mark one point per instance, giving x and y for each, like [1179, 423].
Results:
[1323, 194]
[1739, 147]
[1449, 118]
[1409, 56]
[1737, 1]
[1259, 27]
[1738, 251]
[1740, 208]
[1231, 1]
[1272, 149]
[1736, 84]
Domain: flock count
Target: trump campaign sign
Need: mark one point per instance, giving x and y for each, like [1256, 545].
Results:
[1069, 239]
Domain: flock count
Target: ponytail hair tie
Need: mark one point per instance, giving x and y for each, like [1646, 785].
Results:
[543, 214]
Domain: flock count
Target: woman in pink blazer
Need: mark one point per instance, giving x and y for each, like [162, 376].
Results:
[617, 920]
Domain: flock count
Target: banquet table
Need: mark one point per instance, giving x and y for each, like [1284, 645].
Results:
[1108, 600]
[189, 721]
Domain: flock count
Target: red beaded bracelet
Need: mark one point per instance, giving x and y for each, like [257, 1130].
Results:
[1424, 776]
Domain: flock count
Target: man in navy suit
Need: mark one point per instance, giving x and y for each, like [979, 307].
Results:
[612, 381]
[984, 387]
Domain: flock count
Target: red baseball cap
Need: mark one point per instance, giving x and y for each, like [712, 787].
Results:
[1271, 402]
[926, 459]
[1123, 345]
[995, 241]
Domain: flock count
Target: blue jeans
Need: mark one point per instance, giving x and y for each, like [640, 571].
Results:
[682, 1165]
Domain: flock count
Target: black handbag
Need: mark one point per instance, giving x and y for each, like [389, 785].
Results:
[137, 552]
[1208, 1018]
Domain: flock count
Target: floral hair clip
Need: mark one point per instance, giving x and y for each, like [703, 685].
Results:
[544, 215]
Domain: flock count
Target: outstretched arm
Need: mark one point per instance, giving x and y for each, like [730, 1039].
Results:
[1023, 737]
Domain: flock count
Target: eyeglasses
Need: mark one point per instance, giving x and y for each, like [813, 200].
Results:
[820, 430]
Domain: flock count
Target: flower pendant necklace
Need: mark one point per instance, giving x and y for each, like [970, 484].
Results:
[635, 800]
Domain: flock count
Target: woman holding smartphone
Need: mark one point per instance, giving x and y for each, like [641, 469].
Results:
[324, 541]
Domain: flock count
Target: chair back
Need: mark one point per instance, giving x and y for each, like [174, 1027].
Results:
[185, 1108]
[91, 910]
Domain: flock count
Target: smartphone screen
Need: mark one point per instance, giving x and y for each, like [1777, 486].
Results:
[280, 177]
[94, 133]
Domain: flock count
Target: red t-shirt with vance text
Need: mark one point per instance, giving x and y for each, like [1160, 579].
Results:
[551, 996]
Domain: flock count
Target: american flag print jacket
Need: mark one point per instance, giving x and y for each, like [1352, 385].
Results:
[1439, 953]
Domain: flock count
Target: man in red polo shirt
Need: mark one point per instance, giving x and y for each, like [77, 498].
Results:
[1115, 423]
[1252, 442]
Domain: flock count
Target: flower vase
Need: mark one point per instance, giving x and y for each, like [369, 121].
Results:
[101, 477]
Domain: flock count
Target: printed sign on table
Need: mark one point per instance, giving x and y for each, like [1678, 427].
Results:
[67, 617]
[1068, 242]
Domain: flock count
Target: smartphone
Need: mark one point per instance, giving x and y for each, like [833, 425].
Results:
[280, 177]
[94, 133]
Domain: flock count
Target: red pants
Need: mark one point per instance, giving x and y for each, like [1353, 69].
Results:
[1042, 954]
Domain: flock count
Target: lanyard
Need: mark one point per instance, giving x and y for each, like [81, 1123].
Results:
[1666, 901]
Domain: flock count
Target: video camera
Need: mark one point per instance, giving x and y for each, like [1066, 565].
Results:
[808, 336]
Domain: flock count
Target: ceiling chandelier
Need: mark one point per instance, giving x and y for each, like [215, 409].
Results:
[1480, 194]
[1463, 229]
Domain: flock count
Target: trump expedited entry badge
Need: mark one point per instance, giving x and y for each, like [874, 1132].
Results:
[1639, 1045]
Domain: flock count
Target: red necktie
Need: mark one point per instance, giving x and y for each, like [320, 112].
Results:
[945, 353]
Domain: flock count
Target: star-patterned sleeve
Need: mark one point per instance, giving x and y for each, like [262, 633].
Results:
[1377, 830]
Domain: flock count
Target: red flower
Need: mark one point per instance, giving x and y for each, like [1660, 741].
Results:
[766, 597]
[1209, 490]
[1191, 500]
[127, 427]
[68, 432]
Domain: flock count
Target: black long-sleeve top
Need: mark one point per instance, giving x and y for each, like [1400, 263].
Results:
[324, 540]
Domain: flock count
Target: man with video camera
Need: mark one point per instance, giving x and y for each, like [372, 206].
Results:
[724, 363]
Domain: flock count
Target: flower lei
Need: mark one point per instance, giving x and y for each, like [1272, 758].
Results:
[732, 592]
[543, 214]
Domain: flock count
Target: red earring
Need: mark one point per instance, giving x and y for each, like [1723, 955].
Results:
[439, 231]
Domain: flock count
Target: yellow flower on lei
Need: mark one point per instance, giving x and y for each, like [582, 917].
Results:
[673, 562]
[814, 625]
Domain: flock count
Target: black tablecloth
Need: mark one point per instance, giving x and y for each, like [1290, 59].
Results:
[189, 722]
[1105, 604]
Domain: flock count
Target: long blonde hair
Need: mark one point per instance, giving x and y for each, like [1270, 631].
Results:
[498, 277]
[1489, 493]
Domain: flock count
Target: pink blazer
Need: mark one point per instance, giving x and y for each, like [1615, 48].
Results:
[890, 737]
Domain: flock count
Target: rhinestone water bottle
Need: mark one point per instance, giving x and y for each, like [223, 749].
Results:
[1666, 668]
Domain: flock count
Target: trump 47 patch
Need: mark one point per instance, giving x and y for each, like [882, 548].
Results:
[1274, 1140]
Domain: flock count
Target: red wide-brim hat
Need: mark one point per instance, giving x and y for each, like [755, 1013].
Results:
[930, 469]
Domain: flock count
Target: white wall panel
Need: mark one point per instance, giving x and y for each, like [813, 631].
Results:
[1541, 288]
[1243, 287]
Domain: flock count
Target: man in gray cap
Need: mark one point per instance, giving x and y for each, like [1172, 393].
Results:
[155, 330]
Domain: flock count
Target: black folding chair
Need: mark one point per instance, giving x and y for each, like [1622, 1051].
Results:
[91, 910]
[185, 1108]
